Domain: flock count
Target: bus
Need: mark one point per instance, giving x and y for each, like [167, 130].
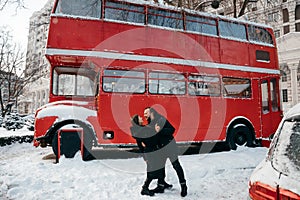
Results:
[216, 79]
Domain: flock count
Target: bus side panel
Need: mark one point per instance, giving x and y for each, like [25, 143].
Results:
[114, 114]
[270, 63]
[234, 52]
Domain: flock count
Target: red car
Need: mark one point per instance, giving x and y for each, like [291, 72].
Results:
[278, 175]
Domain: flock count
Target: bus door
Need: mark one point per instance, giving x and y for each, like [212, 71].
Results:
[270, 106]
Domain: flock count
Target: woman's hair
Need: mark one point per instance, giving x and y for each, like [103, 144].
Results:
[135, 120]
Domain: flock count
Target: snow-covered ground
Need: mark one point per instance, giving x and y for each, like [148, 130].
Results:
[24, 174]
[18, 132]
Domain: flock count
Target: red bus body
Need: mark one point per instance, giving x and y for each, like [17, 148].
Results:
[105, 46]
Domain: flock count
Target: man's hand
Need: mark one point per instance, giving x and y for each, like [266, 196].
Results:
[157, 128]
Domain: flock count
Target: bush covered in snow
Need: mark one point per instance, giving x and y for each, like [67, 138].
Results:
[13, 121]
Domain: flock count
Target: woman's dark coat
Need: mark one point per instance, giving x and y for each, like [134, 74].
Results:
[155, 162]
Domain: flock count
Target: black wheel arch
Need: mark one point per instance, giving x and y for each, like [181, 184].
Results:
[87, 128]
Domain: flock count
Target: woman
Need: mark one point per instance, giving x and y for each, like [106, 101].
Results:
[147, 142]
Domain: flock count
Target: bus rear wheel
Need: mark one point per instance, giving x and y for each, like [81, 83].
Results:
[239, 135]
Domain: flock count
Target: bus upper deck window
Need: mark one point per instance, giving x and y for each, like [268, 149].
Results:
[85, 8]
[201, 24]
[123, 11]
[160, 17]
[232, 30]
[259, 35]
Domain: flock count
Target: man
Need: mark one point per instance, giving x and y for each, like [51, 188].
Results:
[167, 143]
[161, 183]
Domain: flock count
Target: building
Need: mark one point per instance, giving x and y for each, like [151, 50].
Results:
[36, 93]
[282, 15]
[289, 56]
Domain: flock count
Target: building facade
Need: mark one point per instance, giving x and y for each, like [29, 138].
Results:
[36, 93]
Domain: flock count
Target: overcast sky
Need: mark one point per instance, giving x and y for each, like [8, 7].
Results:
[18, 21]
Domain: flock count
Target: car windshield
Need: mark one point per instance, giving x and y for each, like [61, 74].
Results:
[286, 152]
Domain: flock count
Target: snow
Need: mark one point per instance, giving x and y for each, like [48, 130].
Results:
[67, 111]
[18, 132]
[24, 174]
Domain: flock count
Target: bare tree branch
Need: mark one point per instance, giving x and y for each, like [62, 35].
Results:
[12, 75]
[17, 3]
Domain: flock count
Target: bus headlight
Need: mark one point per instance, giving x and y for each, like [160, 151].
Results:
[108, 135]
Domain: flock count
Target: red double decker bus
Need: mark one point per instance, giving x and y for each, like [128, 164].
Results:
[214, 78]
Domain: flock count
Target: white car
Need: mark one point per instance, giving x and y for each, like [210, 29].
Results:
[278, 175]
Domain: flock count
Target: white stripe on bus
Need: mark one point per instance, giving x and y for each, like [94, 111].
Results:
[156, 59]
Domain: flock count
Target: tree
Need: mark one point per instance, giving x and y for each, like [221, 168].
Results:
[17, 3]
[236, 7]
[12, 79]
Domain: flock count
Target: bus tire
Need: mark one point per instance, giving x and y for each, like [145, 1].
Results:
[87, 146]
[239, 135]
[54, 145]
[68, 152]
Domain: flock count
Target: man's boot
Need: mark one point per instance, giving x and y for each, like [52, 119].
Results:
[183, 189]
[164, 183]
[167, 186]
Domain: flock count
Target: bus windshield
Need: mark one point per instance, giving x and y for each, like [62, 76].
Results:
[70, 81]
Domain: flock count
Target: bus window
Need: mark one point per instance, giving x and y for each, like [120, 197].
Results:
[124, 12]
[86, 8]
[265, 97]
[259, 35]
[69, 81]
[274, 95]
[232, 30]
[200, 85]
[201, 24]
[123, 81]
[165, 18]
[166, 83]
[236, 87]
[262, 56]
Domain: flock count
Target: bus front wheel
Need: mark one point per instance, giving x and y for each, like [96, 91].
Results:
[69, 150]
[239, 135]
